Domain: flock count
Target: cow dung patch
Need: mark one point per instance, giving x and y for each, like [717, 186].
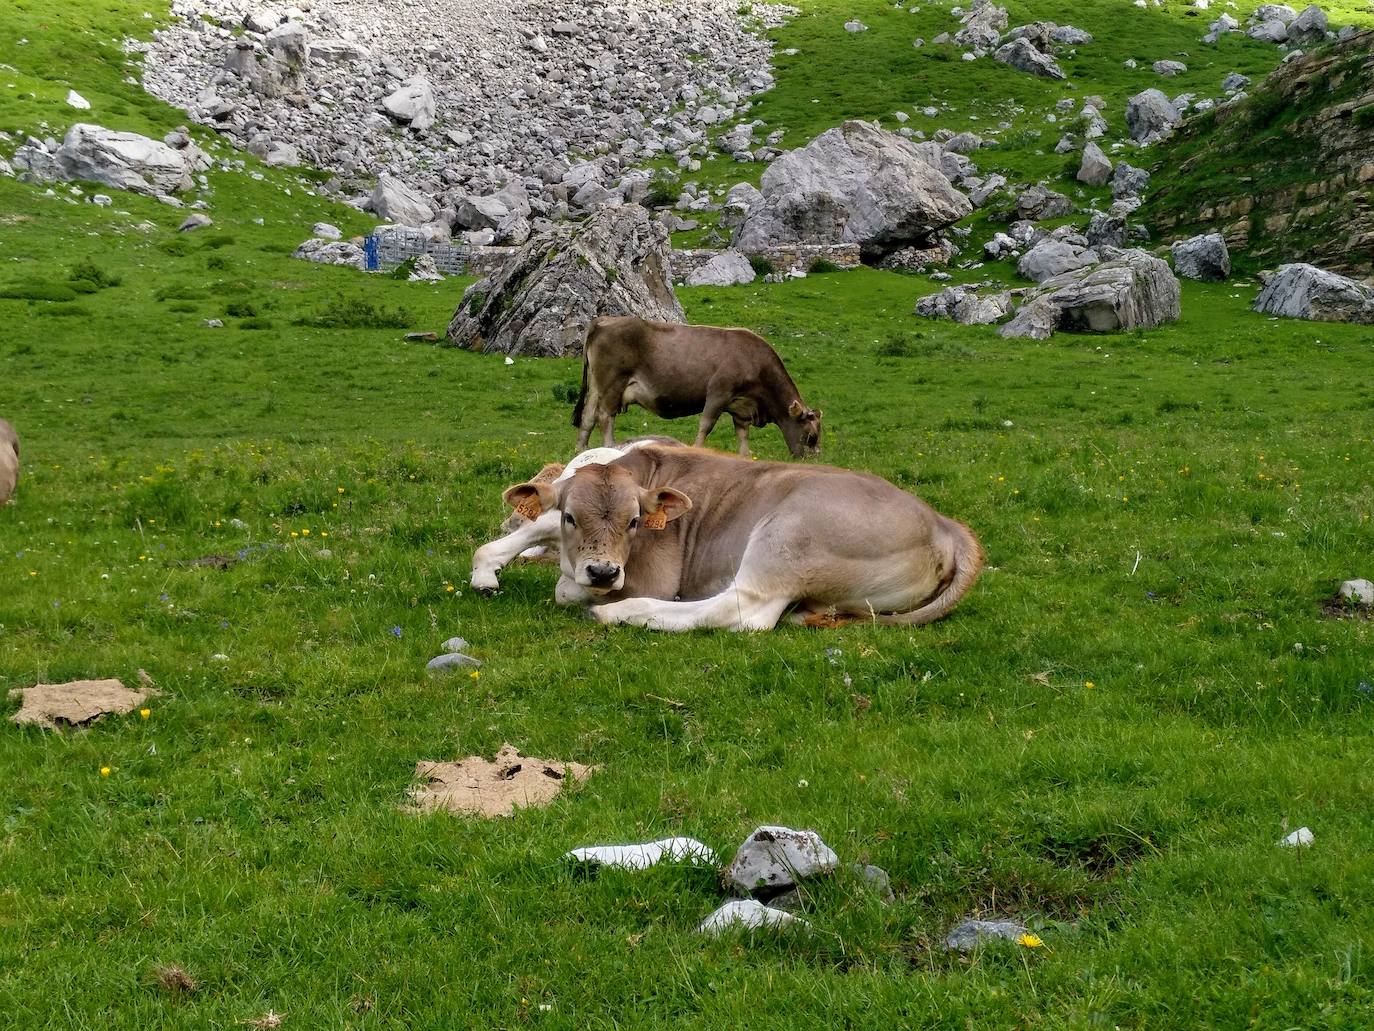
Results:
[493, 787]
[78, 703]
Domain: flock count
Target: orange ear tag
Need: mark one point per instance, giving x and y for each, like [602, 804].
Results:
[530, 508]
[655, 520]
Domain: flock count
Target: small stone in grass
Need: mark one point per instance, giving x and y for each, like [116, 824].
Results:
[971, 933]
[641, 857]
[746, 914]
[455, 644]
[773, 859]
[1300, 838]
[452, 661]
[1357, 592]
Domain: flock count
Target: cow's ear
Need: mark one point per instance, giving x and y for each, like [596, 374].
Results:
[796, 408]
[660, 505]
[531, 500]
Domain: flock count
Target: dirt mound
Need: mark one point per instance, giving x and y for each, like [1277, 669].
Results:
[493, 787]
[77, 703]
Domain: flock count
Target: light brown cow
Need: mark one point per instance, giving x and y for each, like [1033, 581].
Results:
[681, 538]
[9, 460]
[675, 371]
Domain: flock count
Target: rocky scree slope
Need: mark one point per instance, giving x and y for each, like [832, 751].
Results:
[1287, 174]
[457, 97]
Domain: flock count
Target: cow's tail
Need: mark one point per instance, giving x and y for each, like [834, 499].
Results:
[586, 353]
[968, 563]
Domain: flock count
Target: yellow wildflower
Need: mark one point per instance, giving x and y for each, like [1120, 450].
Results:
[1030, 941]
[145, 713]
[1089, 684]
[104, 771]
[475, 674]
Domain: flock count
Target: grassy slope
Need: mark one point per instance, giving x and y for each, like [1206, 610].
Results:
[249, 829]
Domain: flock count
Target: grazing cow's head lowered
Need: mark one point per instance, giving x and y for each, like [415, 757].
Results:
[801, 428]
[603, 509]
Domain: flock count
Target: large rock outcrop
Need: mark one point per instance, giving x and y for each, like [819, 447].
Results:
[540, 303]
[1150, 116]
[853, 184]
[124, 160]
[1135, 290]
[1303, 188]
[1302, 291]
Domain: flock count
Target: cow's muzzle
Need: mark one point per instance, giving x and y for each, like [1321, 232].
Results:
[601, 577]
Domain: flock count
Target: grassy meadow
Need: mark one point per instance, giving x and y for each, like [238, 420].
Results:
[1106, 740]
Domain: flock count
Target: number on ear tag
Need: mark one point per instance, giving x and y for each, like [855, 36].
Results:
[655, 520]
[530, 508]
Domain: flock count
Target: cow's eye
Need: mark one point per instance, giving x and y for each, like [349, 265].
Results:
[634, 522]
[568, 518]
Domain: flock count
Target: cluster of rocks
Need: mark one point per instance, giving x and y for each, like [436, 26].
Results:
[1029, 48]
[458, 99]
[1276, 23]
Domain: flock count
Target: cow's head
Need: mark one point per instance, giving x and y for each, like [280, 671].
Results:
[603, 510]
[801, 428]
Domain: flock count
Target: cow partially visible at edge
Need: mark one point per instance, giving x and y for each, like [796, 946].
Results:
[682, 538]
[676, 371]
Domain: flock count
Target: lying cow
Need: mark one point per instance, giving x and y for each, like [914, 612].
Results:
[536, 537]
[675, 371]
[9, 460]
[681, 538]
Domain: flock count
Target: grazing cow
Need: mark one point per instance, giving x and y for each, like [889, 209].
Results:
[675, 371]
[681, 538]
[9, 460]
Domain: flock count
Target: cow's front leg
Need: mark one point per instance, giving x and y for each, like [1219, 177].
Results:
[731, 609]
[569, 592]
[490, 559]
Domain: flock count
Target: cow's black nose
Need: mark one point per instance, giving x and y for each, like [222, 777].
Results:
[602, 572]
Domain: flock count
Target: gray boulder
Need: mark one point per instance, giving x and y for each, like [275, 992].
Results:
[1234, 82]
[124, 160]
[1271, 31]
[1133, 291]
[1096, 168]
[1050, 258]
[1150, 116]
[394, 201]
[1202, 257]
[337, 51]
[541, 301]
[1169, 69]
[1129, 181]
[1022, 55]
[1040, 202]
[728, 268]
[287, 43]
[775, 858]
[852, 184]
[1302, 291]
[332, 252]
[1308, 27]
[1106, 229]
[413, 103]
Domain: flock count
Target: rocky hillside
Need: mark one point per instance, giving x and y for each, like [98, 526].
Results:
[1287, 175]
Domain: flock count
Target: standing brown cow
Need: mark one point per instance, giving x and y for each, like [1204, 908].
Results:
[675, 371]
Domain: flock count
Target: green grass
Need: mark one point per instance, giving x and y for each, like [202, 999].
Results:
[1164, 517]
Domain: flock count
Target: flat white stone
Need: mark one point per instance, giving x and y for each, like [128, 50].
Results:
[747, 914]
[643, 856]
